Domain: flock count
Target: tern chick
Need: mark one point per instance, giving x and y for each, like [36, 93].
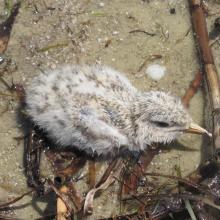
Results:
[96, 109]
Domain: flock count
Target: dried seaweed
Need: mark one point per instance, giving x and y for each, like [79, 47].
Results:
[142, 31]
[6, 26]
[133, 176]
[149, 59]
[191, 91]
[32, 152]
[64, 204]
[179, 179]
[5, 217]
[53, 46]
[106, 180]
[65, 164]
[7, 204]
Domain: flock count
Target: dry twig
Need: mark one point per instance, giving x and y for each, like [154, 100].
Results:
[92, 174]
[132, 180]
[106, 180]
[191, 91]
[142, 31]
[62, 210]
[5, 28]
[150, 58]
[212, 78]
[7, 204]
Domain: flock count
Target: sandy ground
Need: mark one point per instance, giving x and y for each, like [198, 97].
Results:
[49, 33]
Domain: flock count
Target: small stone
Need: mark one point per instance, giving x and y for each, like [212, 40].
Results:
[115, 33]
[1, 59]
[172, 11]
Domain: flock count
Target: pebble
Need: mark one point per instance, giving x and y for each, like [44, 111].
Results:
[156, 71]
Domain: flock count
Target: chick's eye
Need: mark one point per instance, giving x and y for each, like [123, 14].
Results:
[161, 124]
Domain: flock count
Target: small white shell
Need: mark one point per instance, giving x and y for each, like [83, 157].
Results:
[156, 71]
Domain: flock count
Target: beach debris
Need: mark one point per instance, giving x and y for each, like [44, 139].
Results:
[156, 71]
[142, 31]
[172, 11]
[207, 63]
[191, 91]
[149, 59]
[108, 178]
[214, 35]
[53, 46]
[7, 204]
[6, 26]
[32, 154]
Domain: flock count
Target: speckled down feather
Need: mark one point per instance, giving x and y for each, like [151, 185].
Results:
[96, 109]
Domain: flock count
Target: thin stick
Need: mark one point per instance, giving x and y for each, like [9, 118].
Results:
[92, 174]
[5, 217]
[190, 209]
[32, 153]
[6, 26]
[132, 195]
[201, 212]
[212, 78]
[142, 31]
[191, 91]
[179, 179]
[106, 180]
[132, 180]
[149, 59]
[6, 204]
[62, 206]
[62, 210]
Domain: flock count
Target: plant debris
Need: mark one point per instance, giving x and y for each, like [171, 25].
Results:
[5, 27]
[191, 91]
[142, 31]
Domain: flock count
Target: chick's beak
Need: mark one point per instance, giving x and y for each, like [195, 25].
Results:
[196, 129]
